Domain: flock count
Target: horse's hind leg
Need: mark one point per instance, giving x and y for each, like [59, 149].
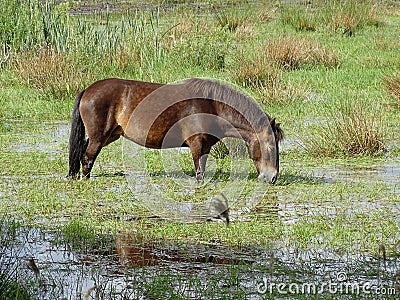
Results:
[94, 146]
[92, 150]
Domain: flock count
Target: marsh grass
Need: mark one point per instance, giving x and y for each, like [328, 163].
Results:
[346, 17]
[257, 73]
[219, 150]
[79, 232]
[202, 51]
[266, 12]
[352, 128]
[265, 78]
[28, 24]
[231, 19]
[54, 73]
[392, 84]
[263, 69]
[60, 54]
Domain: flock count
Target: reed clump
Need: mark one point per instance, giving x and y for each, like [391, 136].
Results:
[347, 17]
[352, 128]
[231, 20]
[299, 18]
[392, 84]
[292, 53]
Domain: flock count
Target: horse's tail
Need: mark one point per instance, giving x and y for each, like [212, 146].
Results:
[76, 139]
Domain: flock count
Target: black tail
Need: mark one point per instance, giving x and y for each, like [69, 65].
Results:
[76, 139]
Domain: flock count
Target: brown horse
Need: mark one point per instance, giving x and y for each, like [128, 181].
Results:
[195, 113]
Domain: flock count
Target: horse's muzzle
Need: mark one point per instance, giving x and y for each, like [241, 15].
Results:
[270, 176]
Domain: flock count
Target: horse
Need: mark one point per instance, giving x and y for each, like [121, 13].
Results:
[195, 113]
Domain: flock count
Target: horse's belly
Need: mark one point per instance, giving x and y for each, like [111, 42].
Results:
[155, 139]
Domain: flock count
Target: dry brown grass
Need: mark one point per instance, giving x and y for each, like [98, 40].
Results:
[384, 42]
[266, 12]
[392, 84]
[292, 53]
[257, 73]
[245, 31]
[55, 74]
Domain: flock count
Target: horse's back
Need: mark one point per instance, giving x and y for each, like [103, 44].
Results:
[115, 87]
[115, 94]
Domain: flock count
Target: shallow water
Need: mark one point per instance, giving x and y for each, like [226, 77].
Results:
[386, 172]
[132, 271]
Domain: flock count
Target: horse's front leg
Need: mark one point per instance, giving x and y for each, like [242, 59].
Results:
[201, 167]
[199, 161]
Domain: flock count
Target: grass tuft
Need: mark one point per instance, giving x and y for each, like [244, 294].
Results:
[392, 84]
[257, 73]
[265, 78]
[292, 53]
[230, 20]
[349, 16]
[353, 128]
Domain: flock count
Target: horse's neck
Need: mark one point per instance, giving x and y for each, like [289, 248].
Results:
[240, 126]
[238, 129]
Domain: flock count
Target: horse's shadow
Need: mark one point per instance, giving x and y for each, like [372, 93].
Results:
[284, 179]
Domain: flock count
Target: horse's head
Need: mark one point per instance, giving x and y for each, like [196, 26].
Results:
[264, 151]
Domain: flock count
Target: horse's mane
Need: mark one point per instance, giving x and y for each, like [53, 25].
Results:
[230, 95]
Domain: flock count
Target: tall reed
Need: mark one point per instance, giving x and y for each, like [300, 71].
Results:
[58, 53]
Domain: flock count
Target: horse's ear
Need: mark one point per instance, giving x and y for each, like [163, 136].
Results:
[276, 129]
[272, 122]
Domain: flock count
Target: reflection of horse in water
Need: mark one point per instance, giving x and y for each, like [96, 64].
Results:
[140, 255]
[134, 255]
[196, 113]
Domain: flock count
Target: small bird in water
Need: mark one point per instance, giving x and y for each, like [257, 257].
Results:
[219, 209]
[86, 295]
[33, 267]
